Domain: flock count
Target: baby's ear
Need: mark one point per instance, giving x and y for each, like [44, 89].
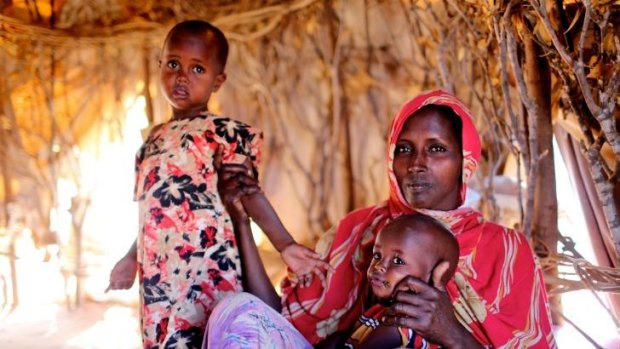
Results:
[439, 274]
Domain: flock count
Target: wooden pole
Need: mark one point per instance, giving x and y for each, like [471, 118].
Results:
[545, 214]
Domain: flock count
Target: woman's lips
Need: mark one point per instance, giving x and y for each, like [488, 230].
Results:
[418, 186]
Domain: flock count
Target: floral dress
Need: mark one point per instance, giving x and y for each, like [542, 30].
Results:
[187, 254]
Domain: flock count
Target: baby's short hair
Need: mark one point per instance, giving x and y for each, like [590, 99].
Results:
[442, 235]
[197, 26]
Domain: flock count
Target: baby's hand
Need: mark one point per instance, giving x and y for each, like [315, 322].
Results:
[123, 274]
[304, 262]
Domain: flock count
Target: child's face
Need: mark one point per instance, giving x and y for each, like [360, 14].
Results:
[399, 251]
[189, 73]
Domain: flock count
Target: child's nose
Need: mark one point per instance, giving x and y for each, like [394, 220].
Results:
[181, 76]
[380, 266]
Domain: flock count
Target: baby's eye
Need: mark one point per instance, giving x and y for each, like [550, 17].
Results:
[437, 148]
[397, 260]
[402, 148]
[172, 64]
[376, 256]
[198, 69]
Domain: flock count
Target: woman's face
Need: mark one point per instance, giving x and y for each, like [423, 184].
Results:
[428, 161]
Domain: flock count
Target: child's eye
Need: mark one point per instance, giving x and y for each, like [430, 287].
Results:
[172, 64]
[198, 69]
[376, 256]
[397, 260]
[402, 148]
[437, 148]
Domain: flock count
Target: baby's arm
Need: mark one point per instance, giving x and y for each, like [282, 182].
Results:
[381, 337]
[123, 274]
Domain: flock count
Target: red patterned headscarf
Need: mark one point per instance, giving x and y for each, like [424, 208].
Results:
[471, 141]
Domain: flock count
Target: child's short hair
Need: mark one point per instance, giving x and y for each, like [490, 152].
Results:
[197, 26]
[442, 236]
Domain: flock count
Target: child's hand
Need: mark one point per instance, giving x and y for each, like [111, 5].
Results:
[123, 274]
[304, 262]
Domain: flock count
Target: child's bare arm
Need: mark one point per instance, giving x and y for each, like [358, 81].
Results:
[123, 274]
[232, 185]
[301, 259]
[261, 211]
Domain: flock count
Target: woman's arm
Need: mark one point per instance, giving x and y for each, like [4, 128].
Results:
[233, 184]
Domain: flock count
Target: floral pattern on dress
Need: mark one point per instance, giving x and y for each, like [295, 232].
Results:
[187, 253]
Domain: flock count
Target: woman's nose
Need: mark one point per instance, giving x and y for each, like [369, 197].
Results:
[418, 162]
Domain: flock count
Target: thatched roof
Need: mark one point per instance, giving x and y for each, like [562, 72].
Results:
[322, 79]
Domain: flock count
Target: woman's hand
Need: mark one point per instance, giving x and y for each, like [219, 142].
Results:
[428, 311]
[234, 182]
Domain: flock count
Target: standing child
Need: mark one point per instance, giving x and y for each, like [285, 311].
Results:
[410, 245]
[186, 251]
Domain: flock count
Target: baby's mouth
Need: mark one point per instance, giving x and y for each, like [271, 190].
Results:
[378, 282]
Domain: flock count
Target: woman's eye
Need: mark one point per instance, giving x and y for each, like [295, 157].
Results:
[397, 260]
[401, 149]
[198, 69]
[173, 64]
[437, 148]
[376, 256]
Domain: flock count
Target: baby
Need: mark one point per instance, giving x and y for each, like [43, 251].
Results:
[410, 245]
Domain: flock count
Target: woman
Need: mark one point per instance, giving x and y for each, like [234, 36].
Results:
[497, 297]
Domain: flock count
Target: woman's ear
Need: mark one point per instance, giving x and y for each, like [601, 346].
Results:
[439, 274]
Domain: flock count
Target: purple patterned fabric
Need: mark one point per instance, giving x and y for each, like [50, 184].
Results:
[242, 321]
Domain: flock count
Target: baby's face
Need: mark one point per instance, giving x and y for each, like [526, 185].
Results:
[398, 253]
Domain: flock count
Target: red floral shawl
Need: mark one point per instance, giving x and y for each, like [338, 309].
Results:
[497, 292]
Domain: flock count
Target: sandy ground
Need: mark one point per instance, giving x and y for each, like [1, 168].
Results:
[48, 318]
[92, 325]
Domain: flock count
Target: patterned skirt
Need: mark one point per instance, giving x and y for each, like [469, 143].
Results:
[243, 321]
